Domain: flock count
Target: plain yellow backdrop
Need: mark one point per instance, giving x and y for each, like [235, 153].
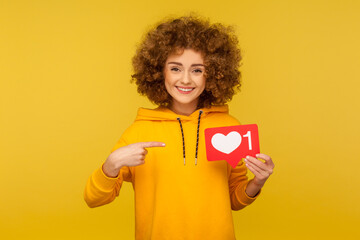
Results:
[66, 98]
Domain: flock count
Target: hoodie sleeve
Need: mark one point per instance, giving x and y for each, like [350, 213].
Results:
[238, 180]
[101, 189]
[237, 185]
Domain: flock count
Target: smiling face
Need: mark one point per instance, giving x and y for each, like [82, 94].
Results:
[184, 80]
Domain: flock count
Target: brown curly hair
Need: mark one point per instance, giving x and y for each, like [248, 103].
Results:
[217, 43]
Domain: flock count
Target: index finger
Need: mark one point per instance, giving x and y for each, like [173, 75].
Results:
[151, 144]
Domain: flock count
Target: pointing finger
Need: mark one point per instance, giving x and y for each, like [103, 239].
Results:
[151, 144]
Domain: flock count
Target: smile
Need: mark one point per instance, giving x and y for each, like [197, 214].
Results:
[185, 90]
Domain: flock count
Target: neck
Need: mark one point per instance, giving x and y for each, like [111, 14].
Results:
[183, 109]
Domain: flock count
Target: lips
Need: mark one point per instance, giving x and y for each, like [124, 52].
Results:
[185, 90]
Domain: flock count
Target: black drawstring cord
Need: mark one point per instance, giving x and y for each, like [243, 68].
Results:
[197, 136]
[183, 140]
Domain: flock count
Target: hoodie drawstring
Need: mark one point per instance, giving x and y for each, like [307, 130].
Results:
[183, 140]
[197, 137]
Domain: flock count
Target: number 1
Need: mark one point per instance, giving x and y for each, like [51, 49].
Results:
[248, 135]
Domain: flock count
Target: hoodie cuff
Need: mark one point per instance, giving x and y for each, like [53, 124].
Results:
[246, 198]
[102, 181]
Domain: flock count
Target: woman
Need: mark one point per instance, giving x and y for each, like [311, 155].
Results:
[189, 68]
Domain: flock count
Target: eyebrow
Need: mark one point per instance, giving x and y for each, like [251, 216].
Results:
[193, 65]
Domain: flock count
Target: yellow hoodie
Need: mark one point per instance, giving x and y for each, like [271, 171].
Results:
[177, 198]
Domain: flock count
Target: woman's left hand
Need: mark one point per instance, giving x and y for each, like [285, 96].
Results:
[261, 170]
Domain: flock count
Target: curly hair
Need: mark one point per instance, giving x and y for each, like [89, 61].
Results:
[218, 45]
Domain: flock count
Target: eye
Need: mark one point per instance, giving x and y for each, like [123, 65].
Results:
[175, 69]
[198, 70]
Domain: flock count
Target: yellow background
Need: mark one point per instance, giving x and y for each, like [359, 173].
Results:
[66, 98]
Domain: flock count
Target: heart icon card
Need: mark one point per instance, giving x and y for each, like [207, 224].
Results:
[232, 143]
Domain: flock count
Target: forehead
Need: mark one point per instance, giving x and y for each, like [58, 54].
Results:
[186, 55]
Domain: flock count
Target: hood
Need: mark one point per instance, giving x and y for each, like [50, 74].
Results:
[165, 114]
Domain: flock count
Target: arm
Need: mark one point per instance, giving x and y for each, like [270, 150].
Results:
[239, 187]
[253, 188]
[101, 189]
[105, 183]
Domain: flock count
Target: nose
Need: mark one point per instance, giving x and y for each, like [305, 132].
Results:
[186, 79]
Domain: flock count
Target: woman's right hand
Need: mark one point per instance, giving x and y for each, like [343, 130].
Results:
[130, 155]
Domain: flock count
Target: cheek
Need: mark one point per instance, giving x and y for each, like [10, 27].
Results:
[170, 80]
[168, 84]
[166, 79]
[202, 83]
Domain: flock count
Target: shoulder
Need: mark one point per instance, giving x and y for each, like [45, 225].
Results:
[232, 119]
[133, 131]
[224, 118]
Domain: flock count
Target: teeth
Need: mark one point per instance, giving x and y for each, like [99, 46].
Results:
[185, 89]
